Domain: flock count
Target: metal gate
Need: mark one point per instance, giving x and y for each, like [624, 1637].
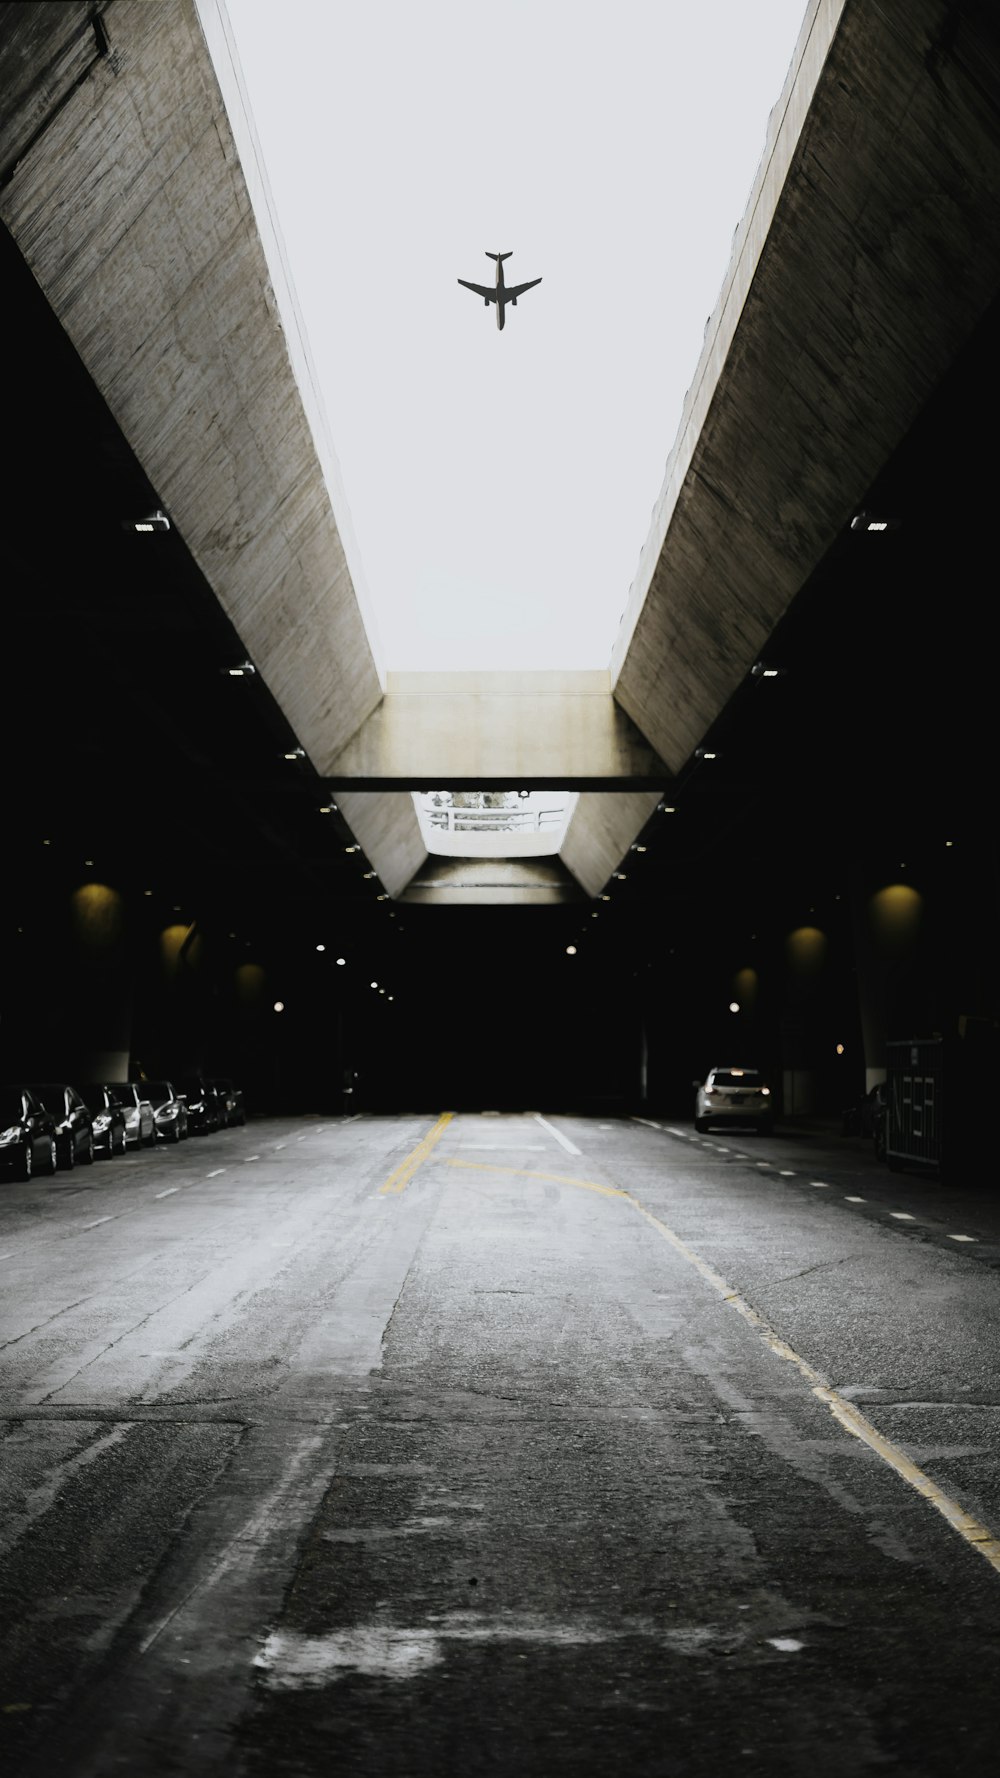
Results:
[916, 1108]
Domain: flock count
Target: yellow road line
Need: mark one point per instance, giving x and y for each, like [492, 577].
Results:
[980, 1537]
[399, 1179]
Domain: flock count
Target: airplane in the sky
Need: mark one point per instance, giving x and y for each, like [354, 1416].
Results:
[500, 294]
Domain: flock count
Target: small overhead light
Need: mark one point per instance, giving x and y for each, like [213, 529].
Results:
[595, 916]
[326, 809]
[665, 809]
[153, 521]
[89, 862]
[704, 753]
[381, 990]
[373, 984]
[149, 892]
[760, 671]
[279, 1006]
[245, 670]
[873, 521]
[949, 842]
[605, 898]
[734, 1006]
[620, 875]
[571, 950]
[369, 875]
[341, 961]
[840, 1049]
[321, 947]
[635, 848]
[381, 898]
[295, 753]
[46, 842]
[352, 848]
[391, 996]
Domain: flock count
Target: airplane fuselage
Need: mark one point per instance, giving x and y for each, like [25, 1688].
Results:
[501, 299]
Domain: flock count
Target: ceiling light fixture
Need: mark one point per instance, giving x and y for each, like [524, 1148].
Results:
[295, 753]
[873, 521]
[153, 521]
[245, 670]
[704, 753]
[760, 671]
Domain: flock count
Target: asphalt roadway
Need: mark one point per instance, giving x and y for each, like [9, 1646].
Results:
[501, 1444]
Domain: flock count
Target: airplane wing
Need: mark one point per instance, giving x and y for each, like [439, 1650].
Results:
[484, 290]
[519, 289]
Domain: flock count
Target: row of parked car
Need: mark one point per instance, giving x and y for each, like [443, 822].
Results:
[50, 1124]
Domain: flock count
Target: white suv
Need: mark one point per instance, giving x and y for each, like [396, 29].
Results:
[734, 1096]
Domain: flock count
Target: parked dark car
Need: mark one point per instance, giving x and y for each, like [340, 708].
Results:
[27, 1133]
[231, 1097]
[204, 1106]
[108, 1119]
[140, 1122]
[74, 1124]
[170, 1111]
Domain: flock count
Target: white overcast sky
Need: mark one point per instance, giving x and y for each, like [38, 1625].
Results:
[500, 484]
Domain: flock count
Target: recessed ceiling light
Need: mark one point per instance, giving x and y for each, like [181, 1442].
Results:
[321, 947]
[153, 521]
[341, 961]
[571, 950]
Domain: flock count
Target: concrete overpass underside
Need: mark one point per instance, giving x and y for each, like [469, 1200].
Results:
[868, 252]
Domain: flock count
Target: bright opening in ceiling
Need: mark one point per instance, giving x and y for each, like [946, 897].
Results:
[494, 823]
[500, 483]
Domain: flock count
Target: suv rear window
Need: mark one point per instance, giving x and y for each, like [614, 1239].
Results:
[736, 1077]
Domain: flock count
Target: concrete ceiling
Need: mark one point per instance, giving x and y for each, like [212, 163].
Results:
[869, 250]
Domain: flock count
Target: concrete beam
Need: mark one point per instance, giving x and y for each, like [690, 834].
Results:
[869, 250]
[496, 730]
[128, 197]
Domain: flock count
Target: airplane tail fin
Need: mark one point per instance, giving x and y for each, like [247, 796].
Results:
[499, 255]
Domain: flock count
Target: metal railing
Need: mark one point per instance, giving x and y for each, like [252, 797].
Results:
[494, 820]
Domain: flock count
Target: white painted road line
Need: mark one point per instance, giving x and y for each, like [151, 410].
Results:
[215, 1173]
[855, 1200]
[6, 1255]
[253, 1157]
[820, 1184]
[569, 1146]
[97, 1222]
[902, 1216]
[787, 1172]
[972, 1238]
[280, 1145]
[169, 1191]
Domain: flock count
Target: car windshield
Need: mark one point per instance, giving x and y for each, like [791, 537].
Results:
[123, 1091]
[736, 1077]
[11, 1109]
[53, 1098]
[156, 1091]
[95, 1098]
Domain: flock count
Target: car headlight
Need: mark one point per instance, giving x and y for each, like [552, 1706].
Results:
[11, 1135]
[101, 1122]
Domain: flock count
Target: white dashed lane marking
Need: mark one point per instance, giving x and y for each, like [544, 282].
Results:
[169, 1191]
[97, 1222]
[215, 1173]
[902, 1216]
